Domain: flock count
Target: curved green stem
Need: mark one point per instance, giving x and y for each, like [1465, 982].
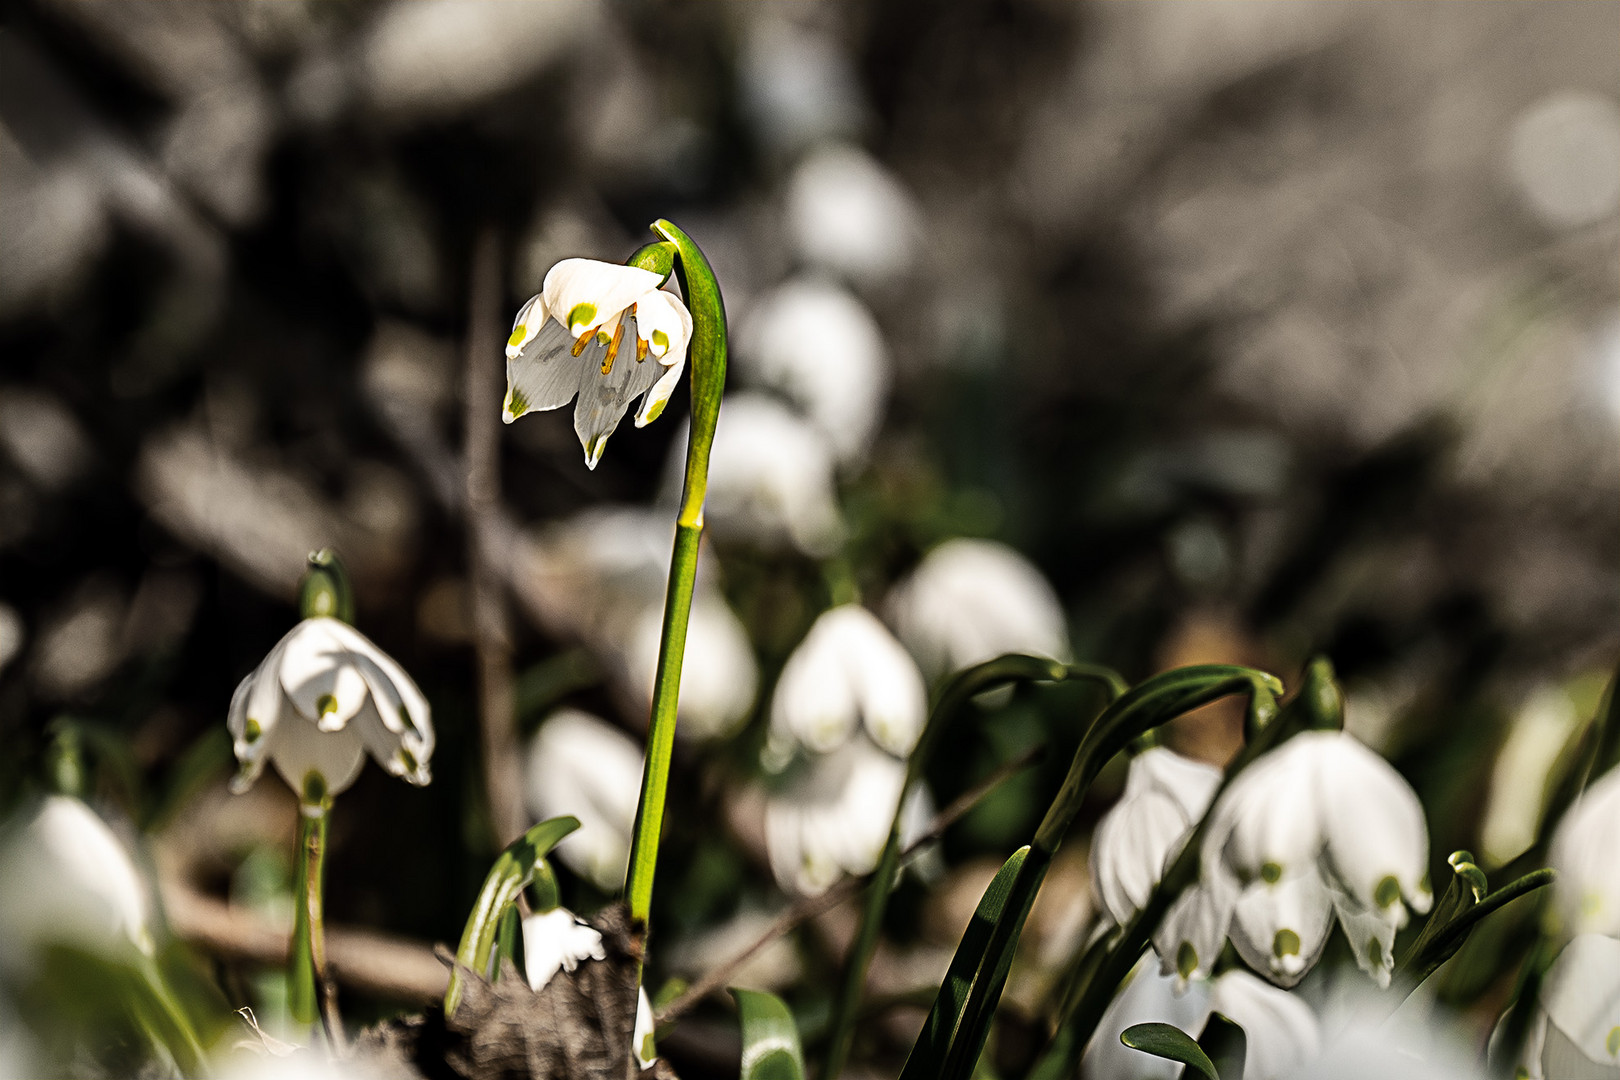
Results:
[307, 960]
[708, 362]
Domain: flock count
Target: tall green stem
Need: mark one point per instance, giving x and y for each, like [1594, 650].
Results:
[708, 363]
[307, 964]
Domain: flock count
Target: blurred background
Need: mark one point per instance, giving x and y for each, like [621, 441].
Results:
[1259, 329]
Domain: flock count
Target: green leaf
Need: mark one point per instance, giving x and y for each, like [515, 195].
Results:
[1226, 1045]
[930, 1053]
[770, 1039]
[510, 875]
[1172, 1044]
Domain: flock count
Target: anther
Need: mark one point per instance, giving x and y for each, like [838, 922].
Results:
[583, 340]
[613, 348]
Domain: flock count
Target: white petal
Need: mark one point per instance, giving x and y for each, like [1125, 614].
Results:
[580, 765]
[603, 399]
[1271, 818]
[554, 940]
[893, 697]
[1377, 843]
[1147, 997]
[653, 402]
[530, 318]
[1581, 997]
[1281, 929]
[544, 375]
[584, 293]
[1371, 934]
[1280, 1029]
[248, 743]
[814, 703]
[664, 323]
[264, 708]
[641, 1041]
[1190, 783]
[400, 706]
[317, 676]
[1130, 847]
[1189, 938]
[300, 748]
[1586, 852]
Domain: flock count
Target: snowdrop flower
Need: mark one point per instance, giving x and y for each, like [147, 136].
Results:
[583, 766]
[834, 819]
[770, 478]
[558, 940]
[972, 600]
[815, 343]
[66, 877]
[324, 697]
[1280, 1029]
[1576, 1031]
[1586, 853]
[589, 331]
[719, 676]
[1165, 796]
[849, 214]
[847, 672]
[1319, 827]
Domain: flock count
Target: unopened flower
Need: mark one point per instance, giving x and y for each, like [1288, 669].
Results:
[590, 331]
[1320, 827]
[585, 767]
[1586, 853]
[66, 878]
[849, 671]
[1576, 1031]
[558, 940]
[322, 698]
[1165, 796]
[972, 600]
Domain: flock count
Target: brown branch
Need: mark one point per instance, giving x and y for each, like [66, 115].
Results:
[811, 906]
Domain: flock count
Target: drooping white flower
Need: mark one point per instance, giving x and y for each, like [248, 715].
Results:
[818, 345]
[1318, 828]
[322, 698]
[834, 818]
[1165, 796]
[972, 600]
[849, 671]
[589, 331]
[719, 676]
[848, 214]
[65, 877]
[1576, 1031]
[770, 478]
[1586, 853]
[580, 765]
[1280, 1029]
[559, 940]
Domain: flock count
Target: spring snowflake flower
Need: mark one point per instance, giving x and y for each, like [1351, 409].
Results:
[1321, 826]
[324, 697]
[590, 331]
[1165, 796]
[585, 767]
[1586, 853]
[1576, 1031]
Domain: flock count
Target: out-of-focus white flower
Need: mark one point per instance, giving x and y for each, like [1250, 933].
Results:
[814, 342]
[719, 676]
[798, 84]
[1564, 156]
[558, 940]
[1519, 780]
[1586, 853]
[972, 600]
[12, 635]
[65, 877]
[323, 697]
[848, 214]
[1576, 1031]
[583, 766]
[1318, 827]
[1280, 1030]
[1165, 796]
[589, 331]
[1366, 1047]
[770, 478]
[834, 818]
[849, 671]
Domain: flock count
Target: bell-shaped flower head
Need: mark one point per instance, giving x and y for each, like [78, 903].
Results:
[585, 767]
[848, 672]
[719, 678]
[323, 698]
[1576, 1031]
[590, 332]
[972, 600]
[1586, 853]
[1165, 796]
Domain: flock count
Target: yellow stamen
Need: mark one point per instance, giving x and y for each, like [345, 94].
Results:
[584, 340]
[641, 349]
[613, 348]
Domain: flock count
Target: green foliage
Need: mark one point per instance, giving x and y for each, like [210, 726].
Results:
[1171, 1043]
[770, 1039]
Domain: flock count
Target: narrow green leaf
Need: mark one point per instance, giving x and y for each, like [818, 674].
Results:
[1171, 1043]
[770, 1039]
[1224, 1042]
[510, 875]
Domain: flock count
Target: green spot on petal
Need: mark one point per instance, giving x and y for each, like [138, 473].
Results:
[314, 788]
[517, 335]
[516, 403]
[1271, 873]
[1612, 1043]
[1375, 952]
[252, 730]
[1286, 943]
[326, 704]
[580, 316]
[660, 341]
[406, 759]
[1388, 891]
[1186, 960]
[656, 411]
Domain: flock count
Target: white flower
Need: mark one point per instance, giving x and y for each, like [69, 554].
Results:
[834, 818]
[1280, 1030]
[558, 940]
[583, 766]
[589, 331]
[850, 215]
[1165, 796]
[66, 877]
[849, 671]
[1577, 1026]
[1319, 827]
[1586, 853]
[323, 697]
[972, 600]
[816, 344]
[770, 478]
[719, 676]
